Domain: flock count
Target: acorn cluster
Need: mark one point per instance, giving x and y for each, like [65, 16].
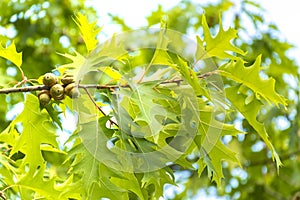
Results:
[56, 90]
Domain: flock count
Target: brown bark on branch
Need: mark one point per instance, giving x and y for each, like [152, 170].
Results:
[23, 89]
[43, 87]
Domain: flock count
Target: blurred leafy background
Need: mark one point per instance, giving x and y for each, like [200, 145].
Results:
[42, 28]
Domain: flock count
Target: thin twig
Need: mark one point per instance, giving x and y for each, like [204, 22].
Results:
[23, 89]
[99, 87]
[98, 107]
[2, 195]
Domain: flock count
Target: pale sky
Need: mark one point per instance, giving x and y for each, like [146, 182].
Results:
[285, 14]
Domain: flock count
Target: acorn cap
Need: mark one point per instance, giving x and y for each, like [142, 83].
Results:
[44, 97]
[57, 92]
[49, 79]
[71, 90]
[67, 79]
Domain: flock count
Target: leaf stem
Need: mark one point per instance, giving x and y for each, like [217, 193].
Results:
[98, 107]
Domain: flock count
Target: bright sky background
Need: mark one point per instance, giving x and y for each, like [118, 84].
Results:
[285, 14]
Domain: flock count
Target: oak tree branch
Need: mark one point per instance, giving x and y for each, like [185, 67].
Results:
[95, 86]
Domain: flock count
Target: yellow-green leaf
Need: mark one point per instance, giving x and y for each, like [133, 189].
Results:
[10, 53]
[249, 111]
[73, 67]
[218, 46]
[88, 30]
[213, 158]
[114, 74]
[37, 130]
[249, 77]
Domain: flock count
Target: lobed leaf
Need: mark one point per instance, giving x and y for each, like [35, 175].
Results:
[31, 132]
[112, 73]
[219, 45]
[37, 130]
[249, 77]
[249, 111]
[10, 53]
[48, 188]
[213, 158]
[73, 67]
[94, 176]
[158, 179]
[144, 96]
[88, 30]
[212, 150]
[97, 179]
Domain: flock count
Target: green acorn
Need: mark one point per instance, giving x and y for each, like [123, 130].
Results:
[67, 79]
[49, 79]
[72, 91]
[57, 92]
[44, 97]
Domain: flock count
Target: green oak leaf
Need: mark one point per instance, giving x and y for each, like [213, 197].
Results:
[130, 183]
[249, 111]
[218, 45]
[212, 150]
[73, 67]
[88, 30]
[95, 178]
[37, 130]
[208, 138]
[10, 53]
[190, 76]
[213, 158]
[30, 133]
[47, 188]
[145, 97]
[158, 179]
[249, 77]
[98, 179]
